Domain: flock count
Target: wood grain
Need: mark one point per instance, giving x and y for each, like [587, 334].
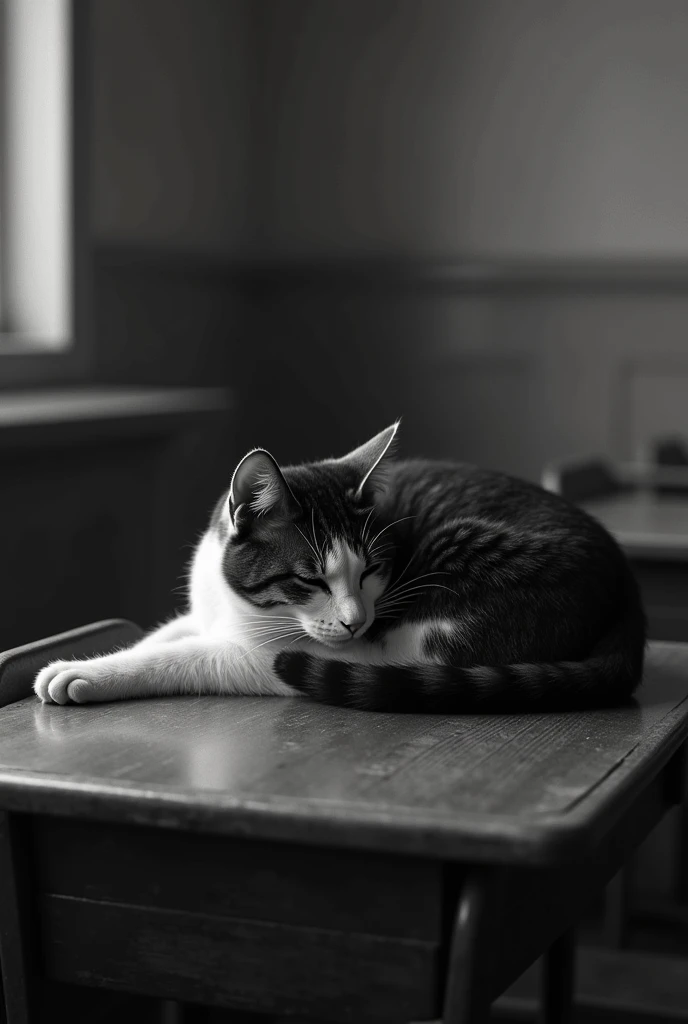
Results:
[283, 883]
[298, 859]
[243, 964]
[527, 788]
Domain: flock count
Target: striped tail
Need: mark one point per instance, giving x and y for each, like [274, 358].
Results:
[607, 677]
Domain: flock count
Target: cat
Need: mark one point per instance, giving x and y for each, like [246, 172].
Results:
[389, 585]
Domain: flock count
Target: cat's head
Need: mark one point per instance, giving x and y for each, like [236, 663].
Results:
[304, 542]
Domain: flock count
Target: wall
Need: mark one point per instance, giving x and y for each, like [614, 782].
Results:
[509, 378]
[170, 123]
[474, 132]
[169, 166]
[442, 129]
[169, 145]
[304, 135]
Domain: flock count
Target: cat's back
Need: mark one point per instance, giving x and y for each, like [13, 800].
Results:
[424, 487]
[470, 483]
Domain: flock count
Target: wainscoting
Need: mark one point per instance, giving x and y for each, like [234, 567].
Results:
[99, 504]
[510, 365]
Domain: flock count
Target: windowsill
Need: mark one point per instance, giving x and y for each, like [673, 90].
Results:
[73, 415]
[26, 362]
[15, 344]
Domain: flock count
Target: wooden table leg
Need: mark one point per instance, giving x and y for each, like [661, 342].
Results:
[466, 998]
[558, 965]
[15, 915]
[681, 854]
[616, 909]
[676, 774]
[171, 1012]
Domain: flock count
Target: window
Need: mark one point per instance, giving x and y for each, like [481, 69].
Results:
[36, 265]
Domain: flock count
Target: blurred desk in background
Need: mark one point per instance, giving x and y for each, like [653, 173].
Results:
[652, 528]
[102, 488]
[645, 507]
[649, 526]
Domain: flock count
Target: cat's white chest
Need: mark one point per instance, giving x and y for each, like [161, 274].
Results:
[215, 609]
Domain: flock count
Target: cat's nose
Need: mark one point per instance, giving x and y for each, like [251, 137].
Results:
[352, 614]
[353, 626]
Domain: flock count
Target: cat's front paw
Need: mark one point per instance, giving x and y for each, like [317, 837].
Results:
[75, 682]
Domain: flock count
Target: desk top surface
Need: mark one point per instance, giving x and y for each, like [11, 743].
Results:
[532, 788]
[646, 524]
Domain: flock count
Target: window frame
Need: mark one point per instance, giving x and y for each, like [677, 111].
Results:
[27, 364]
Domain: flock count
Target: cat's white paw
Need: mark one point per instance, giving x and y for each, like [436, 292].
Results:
[76, 682]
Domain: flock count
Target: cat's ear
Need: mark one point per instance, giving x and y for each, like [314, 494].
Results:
[368, 461]
[259, 490]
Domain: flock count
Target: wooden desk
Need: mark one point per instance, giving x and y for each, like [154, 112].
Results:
[652, 528]
[646, 524]
[646, 509]
[278, 856]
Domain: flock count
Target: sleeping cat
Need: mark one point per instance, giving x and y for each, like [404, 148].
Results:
[389, 585]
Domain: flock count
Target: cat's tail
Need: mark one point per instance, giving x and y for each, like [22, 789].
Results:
[607, 677]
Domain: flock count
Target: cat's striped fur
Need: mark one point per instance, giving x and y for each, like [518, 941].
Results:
[377, 584]
[521, 600]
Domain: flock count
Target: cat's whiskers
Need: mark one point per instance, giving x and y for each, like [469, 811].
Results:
[254, 630]
[404, 570]
[379, 551]
[272, 639]
[299, 636]
[258, 617]
[424, 585]
[317, 556]
[394, 606]
[265, 625]
[392, 603]
[266, 633]
[321, 555]
[365, 532]
[395, 589]
[241, 638]
[269, 618]
[400, 596]
[389, 527]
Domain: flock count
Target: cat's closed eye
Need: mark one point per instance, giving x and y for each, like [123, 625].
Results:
[312, 581]
[375, 567]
